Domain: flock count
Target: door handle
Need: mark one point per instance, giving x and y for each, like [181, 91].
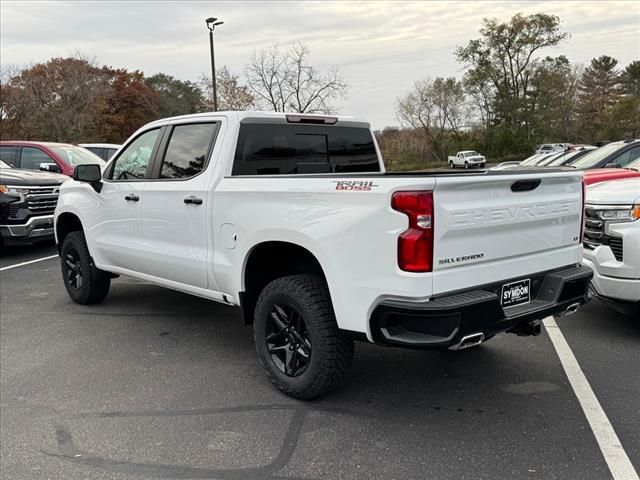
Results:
[193, 200]
[132, 198]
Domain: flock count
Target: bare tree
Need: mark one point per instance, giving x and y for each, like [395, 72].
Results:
[436, 108]
[284, 80]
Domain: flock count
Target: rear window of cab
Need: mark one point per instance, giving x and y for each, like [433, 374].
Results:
[275, 149]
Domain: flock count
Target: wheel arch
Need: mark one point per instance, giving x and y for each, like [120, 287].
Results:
[66, 223]
[269, 260]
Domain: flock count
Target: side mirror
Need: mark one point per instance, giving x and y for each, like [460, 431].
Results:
[49, 167]
[612, 165]
[89, 173]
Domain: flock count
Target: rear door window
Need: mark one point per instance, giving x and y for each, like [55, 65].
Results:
[275, 149]
[187, 151]
[31, 158]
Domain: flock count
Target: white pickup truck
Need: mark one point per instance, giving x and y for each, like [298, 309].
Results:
[612, 243]
[467, 159]
[293, 218]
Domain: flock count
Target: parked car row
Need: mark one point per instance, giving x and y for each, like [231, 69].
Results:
[30, 177]
[582, 157]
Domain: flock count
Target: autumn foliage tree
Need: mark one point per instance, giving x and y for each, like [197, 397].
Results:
[53, 101]
[73, 100]
[173, 96]
[232, 94]
[128, 104]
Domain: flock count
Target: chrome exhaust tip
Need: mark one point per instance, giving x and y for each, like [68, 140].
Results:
[573, 308]
[468, 341]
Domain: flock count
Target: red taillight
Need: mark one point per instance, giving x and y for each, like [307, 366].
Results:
[584, 196]
[415, 244]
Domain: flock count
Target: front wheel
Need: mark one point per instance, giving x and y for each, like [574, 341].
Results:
[297, 338]
[84, 282]
[466, 164]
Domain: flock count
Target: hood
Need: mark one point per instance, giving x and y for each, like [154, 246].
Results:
[606, 174]
[16, 176]
[617, 192]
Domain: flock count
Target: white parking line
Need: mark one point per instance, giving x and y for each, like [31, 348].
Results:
[619, 464]
[27, 263]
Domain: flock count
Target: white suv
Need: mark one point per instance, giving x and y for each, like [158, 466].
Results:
[551, 148]
[612, 242]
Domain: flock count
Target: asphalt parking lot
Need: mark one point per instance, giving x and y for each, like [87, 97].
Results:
[156, 384]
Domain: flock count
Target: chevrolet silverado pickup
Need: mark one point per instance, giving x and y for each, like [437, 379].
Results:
[27, 201]
[292, 218]
[612, 243]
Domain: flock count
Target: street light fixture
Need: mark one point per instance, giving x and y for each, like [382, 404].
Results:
[212, 23]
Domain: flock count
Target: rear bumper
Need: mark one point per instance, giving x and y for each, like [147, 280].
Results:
[444, 321]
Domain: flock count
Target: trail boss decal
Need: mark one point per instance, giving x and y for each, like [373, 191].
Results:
[516, 293]
[360, 185]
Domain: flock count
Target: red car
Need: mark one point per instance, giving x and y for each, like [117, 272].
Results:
[48, 156]
[605, 174]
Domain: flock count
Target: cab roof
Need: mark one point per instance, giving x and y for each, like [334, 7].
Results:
[261, 117]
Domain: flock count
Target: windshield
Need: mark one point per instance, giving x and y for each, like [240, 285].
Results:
[4, 165]
[77, 156]
[592, 158]
[635, 165]
[471, 154]
[549, 158]
[565, 158]
[532, 159]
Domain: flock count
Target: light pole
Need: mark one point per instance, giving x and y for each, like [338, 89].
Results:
[212, 23]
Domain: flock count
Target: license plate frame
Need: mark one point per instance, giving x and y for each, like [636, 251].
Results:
[515, 293]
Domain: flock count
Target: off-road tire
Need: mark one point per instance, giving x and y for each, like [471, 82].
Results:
[95, 283]
[331, 352]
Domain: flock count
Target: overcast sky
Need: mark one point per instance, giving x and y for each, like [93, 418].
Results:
[380, 47]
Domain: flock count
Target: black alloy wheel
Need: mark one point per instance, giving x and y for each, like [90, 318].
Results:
[288, 340]
[74, 269]
[84, 283]
[299, 344]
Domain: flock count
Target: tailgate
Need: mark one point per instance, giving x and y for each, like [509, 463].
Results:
[493, 227]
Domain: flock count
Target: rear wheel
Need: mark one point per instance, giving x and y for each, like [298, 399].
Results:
[451, 164]
[85, 283]
[297, 338]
